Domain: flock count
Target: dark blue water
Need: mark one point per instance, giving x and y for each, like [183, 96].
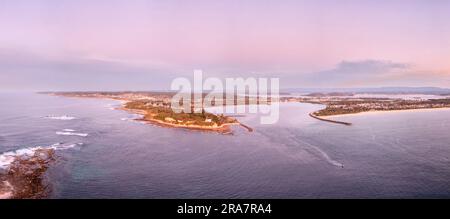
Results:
[384, 155]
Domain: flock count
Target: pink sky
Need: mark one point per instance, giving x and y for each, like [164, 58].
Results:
[278, 38]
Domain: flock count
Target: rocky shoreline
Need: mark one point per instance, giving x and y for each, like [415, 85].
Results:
[24, 177]
[222, 129]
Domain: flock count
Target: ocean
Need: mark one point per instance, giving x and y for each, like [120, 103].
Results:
[104, 153]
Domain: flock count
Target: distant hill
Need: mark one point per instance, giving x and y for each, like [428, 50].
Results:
[335, 94]
[375, 90]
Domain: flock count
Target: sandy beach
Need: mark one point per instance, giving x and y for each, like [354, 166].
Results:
[377, 112]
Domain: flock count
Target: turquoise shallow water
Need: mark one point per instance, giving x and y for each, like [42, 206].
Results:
[384, 155]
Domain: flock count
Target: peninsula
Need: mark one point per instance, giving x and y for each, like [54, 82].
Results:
[352, 103]
[155, 108]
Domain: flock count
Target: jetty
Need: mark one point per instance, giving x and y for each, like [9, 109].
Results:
[250, 129]
[329, 120]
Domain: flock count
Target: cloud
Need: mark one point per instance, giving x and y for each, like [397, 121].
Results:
[352, 74]
[21, 70]
[367, 67]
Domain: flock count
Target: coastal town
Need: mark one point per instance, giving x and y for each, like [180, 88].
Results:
[155, 107]
[338, 104]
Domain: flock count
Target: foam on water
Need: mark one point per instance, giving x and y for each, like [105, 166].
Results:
[322, 153]
[61, 146]
[65, 117]
[72, 134]
[68, 130]
[325, 155]
[132, 118]
[327, 158]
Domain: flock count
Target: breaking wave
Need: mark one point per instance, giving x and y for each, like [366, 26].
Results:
[112, 106]
[132, 118]
[72, 134]
[65, 117]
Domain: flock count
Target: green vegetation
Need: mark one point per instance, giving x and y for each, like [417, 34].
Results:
[166, 114]
[357, 106]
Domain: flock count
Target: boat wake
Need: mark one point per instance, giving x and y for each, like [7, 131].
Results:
[325, 156]
[292, 140]
[68, 130]
[321, 153]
